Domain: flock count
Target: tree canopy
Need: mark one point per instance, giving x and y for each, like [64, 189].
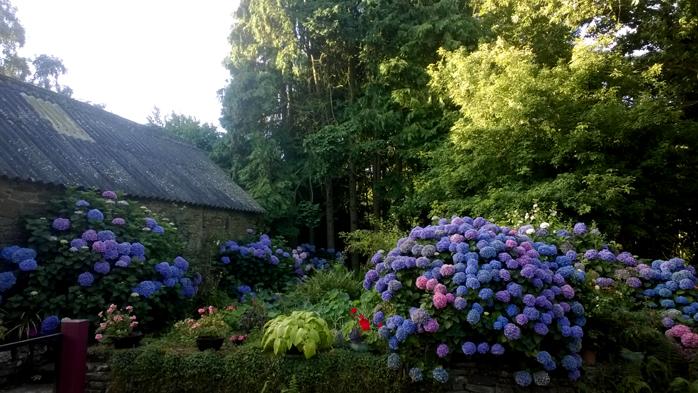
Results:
[340, 114]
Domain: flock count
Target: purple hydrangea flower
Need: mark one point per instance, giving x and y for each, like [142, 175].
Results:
[61, 224]
[579, 229]
[118, 221]
[109, 195]
[431, 326]
[442, 350]
[102, 267]
[512, 332]
[82, 203]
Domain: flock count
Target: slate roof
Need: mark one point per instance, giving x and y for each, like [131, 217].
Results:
[48, 138]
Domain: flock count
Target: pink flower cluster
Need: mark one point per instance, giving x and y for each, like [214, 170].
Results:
[684, 334]
[442, 297]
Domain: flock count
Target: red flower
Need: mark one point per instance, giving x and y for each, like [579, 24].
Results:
[353, 310]
[364, 323]
[380, 325]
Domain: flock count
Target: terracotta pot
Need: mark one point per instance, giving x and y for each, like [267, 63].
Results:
[131, 341]
[589, 357]
[208, 342]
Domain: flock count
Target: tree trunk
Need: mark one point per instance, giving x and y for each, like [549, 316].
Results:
[353, 211]
[376, 192]
[329, 212]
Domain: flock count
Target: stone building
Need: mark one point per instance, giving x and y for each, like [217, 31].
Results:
[49, 142]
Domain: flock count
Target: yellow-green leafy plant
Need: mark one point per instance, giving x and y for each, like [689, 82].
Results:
[304, 330]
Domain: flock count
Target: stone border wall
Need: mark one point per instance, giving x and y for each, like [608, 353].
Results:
[98, 372]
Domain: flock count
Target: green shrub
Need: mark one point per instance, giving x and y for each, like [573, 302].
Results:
[313, 289]
[164, 369]
[303, 330]
[93, 250]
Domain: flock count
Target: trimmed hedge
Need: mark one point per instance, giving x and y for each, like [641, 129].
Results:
[248, 369]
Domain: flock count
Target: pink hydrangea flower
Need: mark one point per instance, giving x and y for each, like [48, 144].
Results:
[431, 284]
[450, 297]
[457, 238]
[440, 301]
[678, 331]
[690, 340]
[447, 270]
[421, 282]
[440, 288]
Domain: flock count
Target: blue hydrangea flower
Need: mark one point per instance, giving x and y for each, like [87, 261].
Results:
[497, 349]
[102, 267]
[415, 374]
[22, 254]
[393, 361]
[146, 288]
[7, 281]
[440, 375]
[61, 224]
[28, 265]
[95, 215]
[86, 279]
[523, 378]
[50, 325]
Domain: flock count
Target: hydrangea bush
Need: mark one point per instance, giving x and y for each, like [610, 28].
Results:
[93, 249]
[467, 286]
[261, 263]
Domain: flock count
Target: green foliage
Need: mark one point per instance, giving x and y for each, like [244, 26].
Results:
[304, 330]
[321, 109]
[204, 136]
[593, 136]
[43, 70]
[365, 242]
[313, 289]
[53, 289]
[168, 369]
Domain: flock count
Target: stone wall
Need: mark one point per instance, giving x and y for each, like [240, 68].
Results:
[199, 226]
[487, 378]
[98, 373]
[19, 365]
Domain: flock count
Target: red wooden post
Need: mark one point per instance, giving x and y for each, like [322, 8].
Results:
[73, 360]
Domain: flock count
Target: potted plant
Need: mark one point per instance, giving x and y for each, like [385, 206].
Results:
[302, 331]
[118, 327]
[210, 329]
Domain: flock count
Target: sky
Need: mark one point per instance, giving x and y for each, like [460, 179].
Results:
[133, 55]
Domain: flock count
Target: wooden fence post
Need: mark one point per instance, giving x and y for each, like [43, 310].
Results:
[72, 365]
